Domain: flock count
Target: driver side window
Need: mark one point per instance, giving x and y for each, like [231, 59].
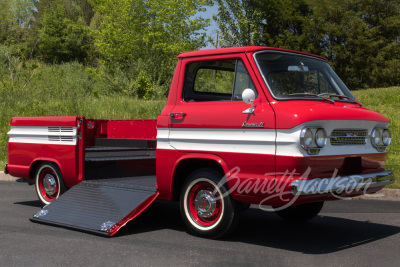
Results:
[222, 80]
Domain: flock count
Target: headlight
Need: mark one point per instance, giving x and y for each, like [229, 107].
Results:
[320, 138]
[381, 138]
[376, 137]
[386, 137]
[313, 139]
[306, 138]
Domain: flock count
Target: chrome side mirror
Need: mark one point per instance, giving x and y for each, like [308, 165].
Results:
[248, 97]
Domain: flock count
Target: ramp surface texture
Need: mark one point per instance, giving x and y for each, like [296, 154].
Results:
[100, 206]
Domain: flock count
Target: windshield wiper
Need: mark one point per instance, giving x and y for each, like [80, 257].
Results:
[313, 95]
[346, 97]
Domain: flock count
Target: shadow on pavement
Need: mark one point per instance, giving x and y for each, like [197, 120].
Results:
[32, 203]
[160, 215]
[323, 234]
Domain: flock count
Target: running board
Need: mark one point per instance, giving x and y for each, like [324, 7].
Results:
[100, 206]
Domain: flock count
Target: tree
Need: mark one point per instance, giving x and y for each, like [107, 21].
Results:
[152, 32]
[63, 33]
[73, 9]
[240, 23]
[15, 20]
[361, 38]
[260, 22]
[5, 19]
[22, 11]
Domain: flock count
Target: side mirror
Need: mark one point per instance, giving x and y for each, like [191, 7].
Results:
[248, 97]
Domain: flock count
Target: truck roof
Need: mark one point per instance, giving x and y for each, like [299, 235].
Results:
[243, 49]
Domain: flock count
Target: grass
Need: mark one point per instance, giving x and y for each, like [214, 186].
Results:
[386, 101]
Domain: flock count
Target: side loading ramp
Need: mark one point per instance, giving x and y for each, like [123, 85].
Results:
[100, 206]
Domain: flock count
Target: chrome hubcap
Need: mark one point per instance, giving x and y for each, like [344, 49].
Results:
[205, 203]
[49, 184]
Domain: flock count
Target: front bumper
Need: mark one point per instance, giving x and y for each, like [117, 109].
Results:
[351, 184]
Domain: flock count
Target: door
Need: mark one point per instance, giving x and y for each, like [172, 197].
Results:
[209, 117]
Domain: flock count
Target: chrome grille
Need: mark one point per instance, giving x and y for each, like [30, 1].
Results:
[343, 137]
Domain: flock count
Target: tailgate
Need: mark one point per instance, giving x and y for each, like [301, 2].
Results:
[100, 206]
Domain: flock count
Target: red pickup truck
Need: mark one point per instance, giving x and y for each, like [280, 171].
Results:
[241, 126]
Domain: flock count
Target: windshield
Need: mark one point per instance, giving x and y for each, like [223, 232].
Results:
[290, 76]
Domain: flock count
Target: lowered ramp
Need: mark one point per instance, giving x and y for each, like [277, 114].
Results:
[100, 206]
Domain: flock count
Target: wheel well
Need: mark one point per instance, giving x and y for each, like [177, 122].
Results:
[36, 165]
[186, 167]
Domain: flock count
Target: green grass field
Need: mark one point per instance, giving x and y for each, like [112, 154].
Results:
[387, 102]
[71, 100]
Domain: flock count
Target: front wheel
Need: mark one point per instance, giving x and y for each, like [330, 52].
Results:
[49, 183]
[300, 213]
[207, 207]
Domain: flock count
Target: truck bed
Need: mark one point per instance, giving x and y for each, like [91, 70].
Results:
[116, 158]
[83, 149]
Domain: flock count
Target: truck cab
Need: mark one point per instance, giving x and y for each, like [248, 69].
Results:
[241, 126]
[280, 125]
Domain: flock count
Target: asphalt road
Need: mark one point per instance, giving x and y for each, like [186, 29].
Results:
[351, 233]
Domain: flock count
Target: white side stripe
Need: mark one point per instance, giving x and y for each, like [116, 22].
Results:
[255, 141]
[162, 138]
[43, 135]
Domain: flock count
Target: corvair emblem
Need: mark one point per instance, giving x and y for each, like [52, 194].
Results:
[252, 125]
[350, 135]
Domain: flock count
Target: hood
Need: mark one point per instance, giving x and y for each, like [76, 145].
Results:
[294, 112]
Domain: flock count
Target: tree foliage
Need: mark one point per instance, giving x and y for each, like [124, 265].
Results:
[361, 38]
[15, 20]
[152, 32]
[5, 19]
[63, 31]
[132, 44]
[240, 23]
[258, 22]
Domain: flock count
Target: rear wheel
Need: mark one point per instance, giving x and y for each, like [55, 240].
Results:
[300, 213]
[49, 183]
[207, 208]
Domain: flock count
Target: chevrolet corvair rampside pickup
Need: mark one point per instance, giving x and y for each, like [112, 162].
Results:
[246, 125]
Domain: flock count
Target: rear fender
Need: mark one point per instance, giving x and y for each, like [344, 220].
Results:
[68, 179]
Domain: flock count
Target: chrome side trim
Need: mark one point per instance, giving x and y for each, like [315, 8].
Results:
[338, 185]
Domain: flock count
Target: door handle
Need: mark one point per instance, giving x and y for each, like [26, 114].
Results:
[177, 115]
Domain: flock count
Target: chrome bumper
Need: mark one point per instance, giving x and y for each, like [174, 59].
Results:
[346, 184]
